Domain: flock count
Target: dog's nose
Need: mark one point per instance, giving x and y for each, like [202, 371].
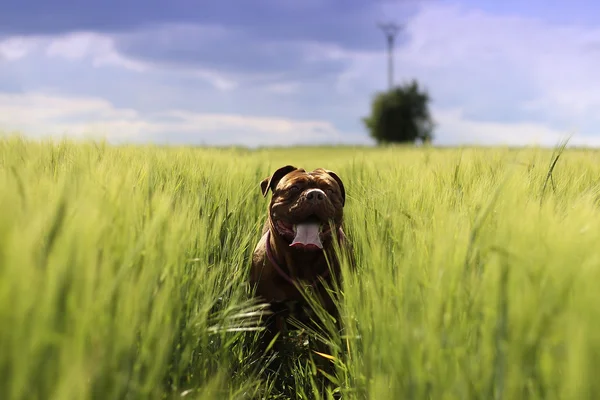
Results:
[315, 195]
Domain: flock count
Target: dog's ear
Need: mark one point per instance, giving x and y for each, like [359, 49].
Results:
[272, 181]
[340, 184]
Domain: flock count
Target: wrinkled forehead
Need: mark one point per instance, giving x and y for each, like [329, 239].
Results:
[303, 177]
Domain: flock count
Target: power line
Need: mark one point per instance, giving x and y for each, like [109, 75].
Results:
[390, 30]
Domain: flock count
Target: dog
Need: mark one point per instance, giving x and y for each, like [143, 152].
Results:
[305, 212]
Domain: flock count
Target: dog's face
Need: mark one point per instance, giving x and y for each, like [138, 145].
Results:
[304, 204]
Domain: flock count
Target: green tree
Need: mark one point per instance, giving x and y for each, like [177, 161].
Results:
[401, 115]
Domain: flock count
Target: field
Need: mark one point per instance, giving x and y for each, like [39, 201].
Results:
[122, 273]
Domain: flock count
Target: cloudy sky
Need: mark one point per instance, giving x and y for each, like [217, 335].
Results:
[279, 72]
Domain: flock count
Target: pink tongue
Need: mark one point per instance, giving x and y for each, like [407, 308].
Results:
[307, 235]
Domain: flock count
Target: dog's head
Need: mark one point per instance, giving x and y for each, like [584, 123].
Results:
[304, 204]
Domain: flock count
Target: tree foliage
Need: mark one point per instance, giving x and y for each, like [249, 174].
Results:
[401, 115]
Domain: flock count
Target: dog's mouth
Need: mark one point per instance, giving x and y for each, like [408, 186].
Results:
[307, 234]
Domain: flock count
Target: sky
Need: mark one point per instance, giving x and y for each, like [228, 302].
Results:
[297, 72]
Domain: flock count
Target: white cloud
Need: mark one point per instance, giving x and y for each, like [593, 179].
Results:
[555, 60]
[217, 80]
[21, 107]
[459, 129]
[76, 46]
[99, 50]
[16, 47]
[39, 115]
[97, 47]
[283, 87]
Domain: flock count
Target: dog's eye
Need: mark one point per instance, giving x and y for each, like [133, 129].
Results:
[294, 188]
[329, 191]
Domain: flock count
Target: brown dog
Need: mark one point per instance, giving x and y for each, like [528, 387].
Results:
[305, 211]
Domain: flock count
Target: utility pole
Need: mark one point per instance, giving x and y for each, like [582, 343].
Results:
[390, 30]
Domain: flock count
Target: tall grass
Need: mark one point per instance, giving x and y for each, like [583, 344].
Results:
[122, 273]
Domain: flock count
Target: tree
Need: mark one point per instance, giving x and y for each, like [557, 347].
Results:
[400, 115]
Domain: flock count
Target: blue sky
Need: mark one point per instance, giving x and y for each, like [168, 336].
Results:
[284, 72]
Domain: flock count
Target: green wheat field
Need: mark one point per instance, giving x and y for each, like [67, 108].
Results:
[122, 273]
